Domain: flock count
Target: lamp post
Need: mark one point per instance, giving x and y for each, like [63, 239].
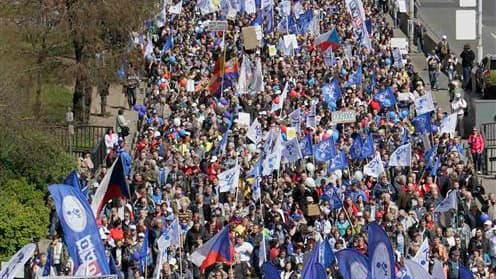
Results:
[480, 54]
[69, 117]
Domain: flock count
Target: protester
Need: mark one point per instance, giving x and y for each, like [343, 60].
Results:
[288, 147]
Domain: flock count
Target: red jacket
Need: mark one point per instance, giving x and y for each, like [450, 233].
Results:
[476, 143]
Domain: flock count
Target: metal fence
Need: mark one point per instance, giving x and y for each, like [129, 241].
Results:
[86, 139]
[488, 131]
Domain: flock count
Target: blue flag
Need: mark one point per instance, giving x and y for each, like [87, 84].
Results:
[223, 143]
[423, 123]
[169, 43]
[430, 156]
[79, 226]
[331, 92]
[306, 146]
[48, 264]
[352, 264]
[331, 195]
[309, 270]
[380, 251]
[304, 21]
[356, 147]
[325, 150]
[144, 258]
[435, 167]
[73, 180]
[355, 78]
[270, 270]
[326, 254]
[269, 24]
[385, 98]
[368, 147]
[404, 136]
[465, 273]
[258, 19]
[339, 162]
[113, 267]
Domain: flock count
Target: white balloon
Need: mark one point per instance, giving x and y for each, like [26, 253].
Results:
[310, 167]
[310, 182]
[177, 122]
[358, 175]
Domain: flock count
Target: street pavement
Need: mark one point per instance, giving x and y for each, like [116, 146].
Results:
[115, 101]
[439, 17]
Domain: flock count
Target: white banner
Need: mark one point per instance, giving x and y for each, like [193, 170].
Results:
[355, 8]
[20, 258]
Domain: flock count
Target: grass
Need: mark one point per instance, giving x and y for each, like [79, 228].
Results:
[55, 100]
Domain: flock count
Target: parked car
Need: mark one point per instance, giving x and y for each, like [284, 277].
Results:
[485, 76]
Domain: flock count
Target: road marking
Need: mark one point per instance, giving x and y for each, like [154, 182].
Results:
[494, 35]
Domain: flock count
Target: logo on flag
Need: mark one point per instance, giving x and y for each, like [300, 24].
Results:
[374, 168]
[325, 150]
[381, 253]
[402, 156]
[74, 213]
[229, 180]
[424, 104]
[291, 150]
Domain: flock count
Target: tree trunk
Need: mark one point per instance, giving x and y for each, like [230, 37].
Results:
[81, 99]
[37, 98]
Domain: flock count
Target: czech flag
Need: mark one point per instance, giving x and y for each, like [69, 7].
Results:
[114, 184]
[328, 40]
[217, 249]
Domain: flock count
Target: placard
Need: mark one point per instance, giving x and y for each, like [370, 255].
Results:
[250, 40]
[272, 50]
[243, 120]
[290, 41]
[348, 116]
[190, 86]
[290, 132]
[400, 43]
[215, 25]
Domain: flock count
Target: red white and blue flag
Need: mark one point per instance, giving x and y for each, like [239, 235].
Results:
[217, 249]
[328, 40]
[113, 185]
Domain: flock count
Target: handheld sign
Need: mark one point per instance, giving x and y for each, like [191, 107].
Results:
[348, 116]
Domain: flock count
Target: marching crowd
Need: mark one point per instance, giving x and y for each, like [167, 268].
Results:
[190, 134]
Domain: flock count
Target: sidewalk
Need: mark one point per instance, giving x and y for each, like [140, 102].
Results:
[115, 101]
[420, 65]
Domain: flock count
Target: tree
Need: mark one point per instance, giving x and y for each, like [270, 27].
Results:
[39, 26]
[100, 30]
[24, 216]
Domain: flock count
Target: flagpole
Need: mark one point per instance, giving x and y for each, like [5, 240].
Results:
[179, 247]
[223, 62]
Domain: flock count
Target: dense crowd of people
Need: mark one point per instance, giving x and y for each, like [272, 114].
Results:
[190, 132]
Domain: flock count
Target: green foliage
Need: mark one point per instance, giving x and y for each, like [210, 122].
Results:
[24, 216]
[29, 153]
[55, 100]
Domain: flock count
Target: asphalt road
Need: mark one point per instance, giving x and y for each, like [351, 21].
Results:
[439, 18]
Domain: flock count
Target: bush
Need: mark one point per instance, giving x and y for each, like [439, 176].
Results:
[31, 154]
[24, 216]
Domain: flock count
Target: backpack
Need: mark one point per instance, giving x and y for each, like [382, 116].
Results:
[444, 48]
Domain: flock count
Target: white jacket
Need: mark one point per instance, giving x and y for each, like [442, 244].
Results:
[458, 105]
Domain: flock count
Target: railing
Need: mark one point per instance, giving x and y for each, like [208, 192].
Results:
[86, 139]
[488, 131]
